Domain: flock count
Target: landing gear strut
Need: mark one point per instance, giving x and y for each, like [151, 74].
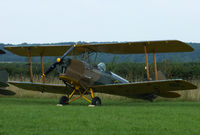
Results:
[96, 101]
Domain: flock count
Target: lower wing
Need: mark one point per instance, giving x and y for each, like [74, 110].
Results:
[51, 88]
[161, 88]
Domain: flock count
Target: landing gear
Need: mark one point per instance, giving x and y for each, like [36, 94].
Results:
[96, 101]
[64, 100]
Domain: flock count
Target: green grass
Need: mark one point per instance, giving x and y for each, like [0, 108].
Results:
[20, 116]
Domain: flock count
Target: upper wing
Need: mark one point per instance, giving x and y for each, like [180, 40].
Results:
[114, 48]
[51, 88]
[133, 89]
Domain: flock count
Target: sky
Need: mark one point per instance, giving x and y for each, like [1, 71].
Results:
[52, 21]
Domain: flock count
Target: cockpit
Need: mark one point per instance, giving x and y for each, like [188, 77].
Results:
[89, 58]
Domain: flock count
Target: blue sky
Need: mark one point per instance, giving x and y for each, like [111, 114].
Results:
[50, 21]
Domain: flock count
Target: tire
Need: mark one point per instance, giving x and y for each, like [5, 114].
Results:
[96, 101]
[64, 100]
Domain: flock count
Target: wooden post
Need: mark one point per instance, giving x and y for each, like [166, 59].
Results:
[42, 69]
[30, 65]
[155, 66]
[147, 65]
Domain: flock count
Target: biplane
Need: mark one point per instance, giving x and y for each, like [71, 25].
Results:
[3, 81]
[81, 78]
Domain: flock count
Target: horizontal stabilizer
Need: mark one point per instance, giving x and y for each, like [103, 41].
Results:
[169, 94]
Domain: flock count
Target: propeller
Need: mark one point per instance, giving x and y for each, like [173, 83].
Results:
[58, 61]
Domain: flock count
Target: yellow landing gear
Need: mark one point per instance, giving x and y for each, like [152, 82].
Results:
[96, 101]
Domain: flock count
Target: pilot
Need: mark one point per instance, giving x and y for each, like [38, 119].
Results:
[101, 66]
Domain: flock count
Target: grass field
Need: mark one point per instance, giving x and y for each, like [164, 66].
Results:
[35, 116]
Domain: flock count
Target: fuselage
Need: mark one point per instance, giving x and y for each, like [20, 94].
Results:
[80, 72]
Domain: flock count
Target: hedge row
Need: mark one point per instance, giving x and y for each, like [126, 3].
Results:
[129, 70]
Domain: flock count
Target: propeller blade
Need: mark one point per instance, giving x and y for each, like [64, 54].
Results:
[59, 60]
[51, 68]
[66, 53]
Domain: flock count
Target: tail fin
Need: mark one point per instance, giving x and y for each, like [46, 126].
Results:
[161, 76]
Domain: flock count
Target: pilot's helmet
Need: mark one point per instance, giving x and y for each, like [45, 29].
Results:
[101, 66]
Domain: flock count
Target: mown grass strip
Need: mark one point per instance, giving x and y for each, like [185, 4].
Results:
[42, 116]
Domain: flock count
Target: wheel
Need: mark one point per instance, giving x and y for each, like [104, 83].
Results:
[64, 100]
[96, 101]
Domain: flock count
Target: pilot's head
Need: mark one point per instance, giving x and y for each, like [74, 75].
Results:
[101, 66]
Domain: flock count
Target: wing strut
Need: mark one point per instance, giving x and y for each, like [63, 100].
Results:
[30, 64]
[155, 66]
[42, 69]
[147, 65]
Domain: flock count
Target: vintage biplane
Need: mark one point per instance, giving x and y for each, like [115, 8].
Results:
[81, 78]
[3, 81]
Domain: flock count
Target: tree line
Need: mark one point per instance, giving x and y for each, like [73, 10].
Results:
[132, 71]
